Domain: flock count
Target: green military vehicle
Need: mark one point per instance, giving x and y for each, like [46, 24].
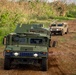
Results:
[29, 44]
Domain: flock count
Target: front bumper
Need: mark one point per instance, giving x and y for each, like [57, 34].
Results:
[56, 31]
[35, 55]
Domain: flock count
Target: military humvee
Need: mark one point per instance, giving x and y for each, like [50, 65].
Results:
[61, 28]
[27, 45]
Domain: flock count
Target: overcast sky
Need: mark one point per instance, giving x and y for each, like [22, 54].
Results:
[50, 0]
[70, 1]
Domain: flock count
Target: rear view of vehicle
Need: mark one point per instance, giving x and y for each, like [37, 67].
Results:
[26, 48]
[59, 28]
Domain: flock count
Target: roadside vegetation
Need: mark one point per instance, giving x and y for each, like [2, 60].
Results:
[12, 13]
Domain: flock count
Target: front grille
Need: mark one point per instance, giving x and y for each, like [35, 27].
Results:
[26, 54]
[54, 29]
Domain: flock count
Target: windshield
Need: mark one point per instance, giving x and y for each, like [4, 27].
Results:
[16, 40]
[36, 41]
[19, 40]
[53, 25]
[60, 25]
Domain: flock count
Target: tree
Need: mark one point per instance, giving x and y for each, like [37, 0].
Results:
[60, 8]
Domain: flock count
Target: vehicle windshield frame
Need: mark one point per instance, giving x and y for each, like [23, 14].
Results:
[36, 41]
[28, 41]
[59, 25]
[53, 25]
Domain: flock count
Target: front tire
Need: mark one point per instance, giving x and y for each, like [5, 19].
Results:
[54, 43]
[7, 63]
[66, 32]
[62, 33]
[44, 64]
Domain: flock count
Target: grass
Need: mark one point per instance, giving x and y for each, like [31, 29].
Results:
[63, 18]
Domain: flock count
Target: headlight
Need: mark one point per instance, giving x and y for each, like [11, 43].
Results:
[16, 53]
[51, 29]
[35, 55]
[7, 50]
[57, 29]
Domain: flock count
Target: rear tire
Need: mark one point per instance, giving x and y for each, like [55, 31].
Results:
[7, 63]
[44, 64]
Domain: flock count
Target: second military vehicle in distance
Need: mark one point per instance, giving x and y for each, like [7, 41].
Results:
[60, 28]
[29, 44]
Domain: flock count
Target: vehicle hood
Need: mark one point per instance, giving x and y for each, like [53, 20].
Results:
[26, 48]
[56, 27]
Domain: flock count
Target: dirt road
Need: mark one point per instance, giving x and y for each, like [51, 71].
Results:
[62, 59]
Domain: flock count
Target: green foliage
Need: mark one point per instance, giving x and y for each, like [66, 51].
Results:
[71, 14]
[63, 18]
[8, 22]
[71, 10]
[1, 39]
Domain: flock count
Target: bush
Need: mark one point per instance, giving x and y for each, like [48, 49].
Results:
[8, 22]
[1, 39]
[70, 15]
[42, 17]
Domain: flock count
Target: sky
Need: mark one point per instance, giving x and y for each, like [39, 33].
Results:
[50, 0]
[68, 1]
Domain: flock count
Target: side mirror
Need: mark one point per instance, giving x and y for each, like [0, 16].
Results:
[4, 40]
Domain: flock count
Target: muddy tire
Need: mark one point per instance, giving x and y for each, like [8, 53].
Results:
[44, 64]
[7, 63]
[54, 33]
[66, 32]
[62, 33]
[54, 44]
